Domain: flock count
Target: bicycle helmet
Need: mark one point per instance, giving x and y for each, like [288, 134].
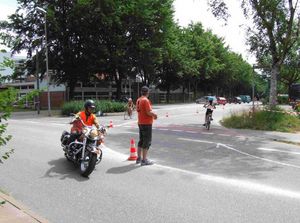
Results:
[89, 104]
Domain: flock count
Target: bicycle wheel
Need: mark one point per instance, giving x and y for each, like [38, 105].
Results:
[126, 116]
[208, 124]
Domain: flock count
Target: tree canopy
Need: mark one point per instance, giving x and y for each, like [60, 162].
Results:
[275, 32]
[122, 39]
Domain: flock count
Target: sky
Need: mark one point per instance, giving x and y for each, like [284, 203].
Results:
[187, 11]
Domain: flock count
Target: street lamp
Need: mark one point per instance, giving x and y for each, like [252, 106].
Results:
[47, 62]
[138, 79]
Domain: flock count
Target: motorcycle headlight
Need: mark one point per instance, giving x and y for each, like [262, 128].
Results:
[94, 134]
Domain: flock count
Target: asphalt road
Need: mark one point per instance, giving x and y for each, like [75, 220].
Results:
[220, 175]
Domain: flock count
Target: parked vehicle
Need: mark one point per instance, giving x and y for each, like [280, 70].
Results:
[245, 98]
[221, 101]
[85, 150]
[205, 99]
[235, 100]
[294, 95]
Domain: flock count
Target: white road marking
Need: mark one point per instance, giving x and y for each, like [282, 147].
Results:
[243, 184]
[135, 133]
[207, 133]
[126, 123]
[195, 140]
[175, 130]
[277, 150]
[163, 129]
[191, 132]
[257, 157]
[224, 135]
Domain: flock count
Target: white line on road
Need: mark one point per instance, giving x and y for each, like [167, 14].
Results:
[244, 184]
[257, 157]
[277, 150]
[175, 130]
[207, 133]
[191, 131]
[135, 133]
[195, 140]
[224, 135]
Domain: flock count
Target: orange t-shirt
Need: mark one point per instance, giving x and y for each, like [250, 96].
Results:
[143, 106]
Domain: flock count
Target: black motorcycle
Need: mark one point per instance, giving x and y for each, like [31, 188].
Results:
[84, 148]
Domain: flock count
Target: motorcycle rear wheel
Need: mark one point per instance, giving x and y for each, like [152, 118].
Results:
[87, 167]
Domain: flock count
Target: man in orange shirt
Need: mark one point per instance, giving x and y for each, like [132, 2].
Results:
[145, 120]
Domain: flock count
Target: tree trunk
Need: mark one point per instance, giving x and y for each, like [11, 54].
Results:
[119, 90]
[273, 85]
[183, 95]
[168, 94]
[118, 79]
[71, 86]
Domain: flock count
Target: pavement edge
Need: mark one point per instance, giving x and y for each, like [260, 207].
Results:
[23, 208]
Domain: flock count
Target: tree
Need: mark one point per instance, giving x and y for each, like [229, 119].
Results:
[290, 70]
[90, 36]
[276, 30]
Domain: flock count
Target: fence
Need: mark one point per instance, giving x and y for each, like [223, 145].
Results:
[161, 98]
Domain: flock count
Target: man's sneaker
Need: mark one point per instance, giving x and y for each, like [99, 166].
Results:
[204, 124]
[146, 162]
[138, 160]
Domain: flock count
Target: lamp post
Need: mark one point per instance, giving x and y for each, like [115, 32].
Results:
[47, 61]
[138, 79]
[37, 81]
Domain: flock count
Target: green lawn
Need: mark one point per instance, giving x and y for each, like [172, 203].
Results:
[275, 120]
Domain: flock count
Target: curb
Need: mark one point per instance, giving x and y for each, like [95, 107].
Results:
[22, 208]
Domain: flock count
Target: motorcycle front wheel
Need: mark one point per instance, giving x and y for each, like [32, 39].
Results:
[88, 164]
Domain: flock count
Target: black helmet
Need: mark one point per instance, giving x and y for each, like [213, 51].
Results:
[89, 104]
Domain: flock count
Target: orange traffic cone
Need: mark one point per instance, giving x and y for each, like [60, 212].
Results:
[133, 155]
[111, 124]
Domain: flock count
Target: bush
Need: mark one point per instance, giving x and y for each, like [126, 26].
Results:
[274, 120]
[104, 106]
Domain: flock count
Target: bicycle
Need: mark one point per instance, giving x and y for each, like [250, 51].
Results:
[208, 121]
[127, 114]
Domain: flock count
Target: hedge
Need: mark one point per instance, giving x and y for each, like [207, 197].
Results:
[102, 106]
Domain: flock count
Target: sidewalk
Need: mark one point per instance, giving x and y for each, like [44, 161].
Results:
[11, 211]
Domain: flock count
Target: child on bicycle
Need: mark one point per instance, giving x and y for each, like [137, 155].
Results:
[130, 107]
[210, 107]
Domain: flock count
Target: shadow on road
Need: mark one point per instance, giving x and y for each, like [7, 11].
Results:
[122, 169]
[61, 168]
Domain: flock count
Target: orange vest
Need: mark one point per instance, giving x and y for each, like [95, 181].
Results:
[87, 120]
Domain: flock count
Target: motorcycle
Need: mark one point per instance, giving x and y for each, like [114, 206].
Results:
[83, 148]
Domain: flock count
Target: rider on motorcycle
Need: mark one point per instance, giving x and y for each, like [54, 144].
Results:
[210, 106]
[87, 117]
